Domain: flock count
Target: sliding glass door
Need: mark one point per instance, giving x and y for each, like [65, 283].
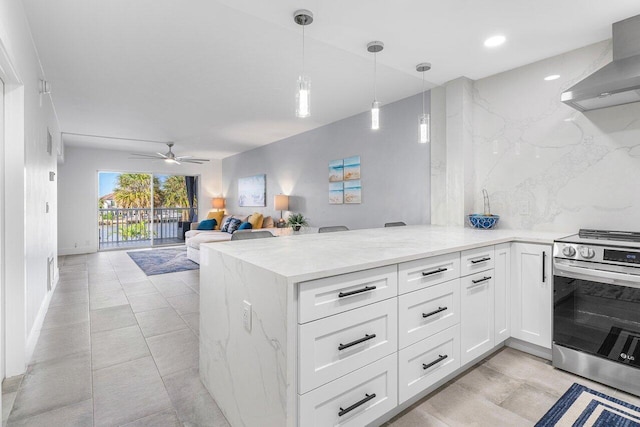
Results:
[144, 210]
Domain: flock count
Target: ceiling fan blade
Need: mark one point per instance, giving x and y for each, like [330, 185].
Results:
[183, 157]
[144, 156]
[163, 155]
[193, 161]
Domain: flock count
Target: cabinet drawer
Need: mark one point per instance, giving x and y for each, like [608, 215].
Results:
[475, 260]
[333, 295]
[356, 399]
[421, 273]
[336, 345]
[428, 361]
[428, 311]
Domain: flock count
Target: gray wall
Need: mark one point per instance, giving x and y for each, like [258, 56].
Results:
[394, 168]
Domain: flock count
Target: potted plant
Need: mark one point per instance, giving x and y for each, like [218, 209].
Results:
[296, 221]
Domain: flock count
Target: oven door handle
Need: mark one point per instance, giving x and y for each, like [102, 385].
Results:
[582, 273]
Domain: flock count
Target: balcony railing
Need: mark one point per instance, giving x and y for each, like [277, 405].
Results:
[135, 227]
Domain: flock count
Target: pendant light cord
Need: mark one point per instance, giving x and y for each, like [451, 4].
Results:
[303, 50]
[375, 75]
[423, 93]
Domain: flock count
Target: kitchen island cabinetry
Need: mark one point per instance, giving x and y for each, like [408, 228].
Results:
[353, 327]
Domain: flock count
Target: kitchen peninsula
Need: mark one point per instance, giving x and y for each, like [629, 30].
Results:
[349, 328]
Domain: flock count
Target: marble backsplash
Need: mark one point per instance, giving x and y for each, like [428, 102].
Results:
[547, 166]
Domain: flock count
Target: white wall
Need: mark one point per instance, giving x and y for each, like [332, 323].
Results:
[394, 168]
[78, 191]
[555, 168]
[29, 233]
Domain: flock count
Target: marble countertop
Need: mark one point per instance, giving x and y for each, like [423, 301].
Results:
[309, 256]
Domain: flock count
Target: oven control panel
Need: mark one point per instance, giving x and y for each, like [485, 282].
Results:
[625, 256]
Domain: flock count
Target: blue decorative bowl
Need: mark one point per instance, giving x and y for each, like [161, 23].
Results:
[484, 222]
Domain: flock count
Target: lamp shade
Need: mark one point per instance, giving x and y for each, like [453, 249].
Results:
[217, 203]
[282, 202]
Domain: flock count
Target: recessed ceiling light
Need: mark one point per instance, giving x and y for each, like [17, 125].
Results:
[495, 41]
[552, 77]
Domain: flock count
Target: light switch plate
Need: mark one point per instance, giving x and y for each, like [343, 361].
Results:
[246, 315]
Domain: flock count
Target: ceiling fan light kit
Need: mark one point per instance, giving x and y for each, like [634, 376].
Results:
[303, 18]
[168, 157]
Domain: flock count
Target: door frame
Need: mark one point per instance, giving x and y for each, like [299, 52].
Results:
[13, 357]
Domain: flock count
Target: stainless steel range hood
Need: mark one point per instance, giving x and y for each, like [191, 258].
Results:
[616, 83]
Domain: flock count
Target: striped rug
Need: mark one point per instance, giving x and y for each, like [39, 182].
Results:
[581, 406]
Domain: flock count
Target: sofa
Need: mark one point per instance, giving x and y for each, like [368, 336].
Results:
[194, 237]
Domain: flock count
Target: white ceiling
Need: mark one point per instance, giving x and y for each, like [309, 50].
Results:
[218, 77]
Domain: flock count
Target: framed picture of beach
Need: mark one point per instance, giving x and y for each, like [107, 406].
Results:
[335, 171]
[336, 194]
[351, 168]
[252, 191]
[352, 192]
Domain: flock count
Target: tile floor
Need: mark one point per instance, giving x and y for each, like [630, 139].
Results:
[118, 348]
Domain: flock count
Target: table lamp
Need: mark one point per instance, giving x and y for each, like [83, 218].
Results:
[281, 203]
[217, 203]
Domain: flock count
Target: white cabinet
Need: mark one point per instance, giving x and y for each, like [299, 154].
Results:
[502, 282]
[477, 315]
[532, 293]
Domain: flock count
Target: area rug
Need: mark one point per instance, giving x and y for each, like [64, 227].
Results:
[581, 406]
[161, 261]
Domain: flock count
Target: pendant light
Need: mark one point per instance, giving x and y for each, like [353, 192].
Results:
[424, 119]
[375, 47]
[303, 18]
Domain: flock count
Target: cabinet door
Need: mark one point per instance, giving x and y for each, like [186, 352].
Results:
[502, 281]
[477, 308]
[532, 296]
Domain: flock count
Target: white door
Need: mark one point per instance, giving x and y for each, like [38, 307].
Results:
[476, 309]
[532, 297]
[2, 369]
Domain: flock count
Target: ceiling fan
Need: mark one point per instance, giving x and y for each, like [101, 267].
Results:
[168, 157]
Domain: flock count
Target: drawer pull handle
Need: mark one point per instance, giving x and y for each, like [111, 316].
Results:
[367, 398]
[476, 261]
[429, 273]
[367, 337]
[484, 279]
[438, 360]
[439, 310]
[357, 291]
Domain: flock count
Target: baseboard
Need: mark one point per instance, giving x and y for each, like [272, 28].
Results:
[76, 251]
[34, 334]
[526, 347]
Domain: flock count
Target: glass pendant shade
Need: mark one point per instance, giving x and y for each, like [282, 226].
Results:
[425, 128]
[303, 97]
[375, 115]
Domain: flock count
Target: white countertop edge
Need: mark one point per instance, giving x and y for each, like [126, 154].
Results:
[518, 236]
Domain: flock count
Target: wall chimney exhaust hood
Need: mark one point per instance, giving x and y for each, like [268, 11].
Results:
[616, 83]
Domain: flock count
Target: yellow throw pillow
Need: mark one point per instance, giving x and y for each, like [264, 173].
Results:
[256, 220]
[217, 216]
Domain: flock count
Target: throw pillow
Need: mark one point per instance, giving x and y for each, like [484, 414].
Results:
[245, 226]
[225, 224]
[233, 225]
[268, 222]
[256, 220]
[217, 216]
[207, 224]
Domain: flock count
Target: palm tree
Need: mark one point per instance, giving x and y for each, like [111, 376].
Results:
[174, 191]
[133, 191]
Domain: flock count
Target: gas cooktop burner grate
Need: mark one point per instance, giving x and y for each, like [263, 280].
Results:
[625, 236]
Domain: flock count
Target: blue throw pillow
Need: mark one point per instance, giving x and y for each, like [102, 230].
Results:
[225, 224]
[207, 224]
[233, 225]
[245, 226]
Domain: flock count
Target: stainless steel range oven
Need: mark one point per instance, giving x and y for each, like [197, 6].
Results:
[596, 314]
